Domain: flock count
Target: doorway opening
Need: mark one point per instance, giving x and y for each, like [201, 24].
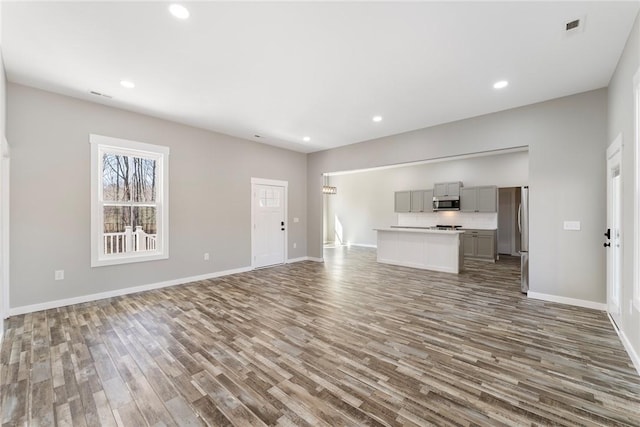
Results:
[508, 231]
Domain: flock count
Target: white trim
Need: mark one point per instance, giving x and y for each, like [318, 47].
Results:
[635, 296]
[616, 147]
[121, 143]
[569, 301]
[304, 258]
[118, 292]
[99, 144]
[275, 183]
[362, 245]
[5, 201]
[635, 359]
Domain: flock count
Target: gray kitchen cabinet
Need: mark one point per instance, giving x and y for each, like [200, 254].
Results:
[427, 201]
[485, 246]
[413, 201]
[480, 244]
[402, 202]
[468, 242]
[442, 189]
[417, 198]
[468, 199]
[479, 199]
[488, 198]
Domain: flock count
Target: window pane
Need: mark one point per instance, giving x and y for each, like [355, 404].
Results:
[115, 178]
[143, 179]
[145, 217]
[114, 240]
[116, 218]
[144, 226]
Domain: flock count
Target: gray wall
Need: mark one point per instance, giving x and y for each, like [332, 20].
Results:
[210, 203]
[365, 199]
[566, 139]
[3, 122]
[621, 121]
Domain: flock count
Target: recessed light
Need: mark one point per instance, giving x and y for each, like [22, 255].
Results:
[501, 84]
[306, 139]
[179, 11]
[127, 83]
[377, 118]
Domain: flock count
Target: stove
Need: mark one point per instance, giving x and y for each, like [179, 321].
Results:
[446, 227]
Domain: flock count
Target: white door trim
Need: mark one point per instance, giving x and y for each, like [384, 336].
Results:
[4, 226]
[276, 183]
[613, 150]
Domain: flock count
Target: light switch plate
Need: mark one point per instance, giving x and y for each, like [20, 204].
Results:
[295, 219]
[572, 225]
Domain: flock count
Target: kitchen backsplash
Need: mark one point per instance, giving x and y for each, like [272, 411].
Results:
[482, 221]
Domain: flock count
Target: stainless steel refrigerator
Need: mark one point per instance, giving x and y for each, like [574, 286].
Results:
[523, 226]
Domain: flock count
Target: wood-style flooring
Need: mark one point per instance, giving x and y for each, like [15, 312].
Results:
[345, 342]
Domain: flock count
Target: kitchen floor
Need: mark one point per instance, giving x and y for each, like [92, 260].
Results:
[344, 342]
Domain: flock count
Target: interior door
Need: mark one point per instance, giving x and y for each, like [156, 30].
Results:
[613, 234]
[269, 225]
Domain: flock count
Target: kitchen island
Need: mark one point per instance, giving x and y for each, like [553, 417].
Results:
[425, 248]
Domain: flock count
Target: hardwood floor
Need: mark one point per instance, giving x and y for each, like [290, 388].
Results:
[347, 342]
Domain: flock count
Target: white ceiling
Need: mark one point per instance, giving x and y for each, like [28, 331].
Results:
[293, 69]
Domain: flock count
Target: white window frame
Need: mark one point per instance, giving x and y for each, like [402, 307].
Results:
[636, 213]
[101, 144]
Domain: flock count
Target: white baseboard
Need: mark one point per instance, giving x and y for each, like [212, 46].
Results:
[304, 258]
[101, 295]
[363, 245]
[570, 301]
[635, 359]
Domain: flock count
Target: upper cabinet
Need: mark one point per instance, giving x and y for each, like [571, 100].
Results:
[402, 201]
[417, 200]
[413, 201]
[442, 189]
[479, 199]
[427, 201]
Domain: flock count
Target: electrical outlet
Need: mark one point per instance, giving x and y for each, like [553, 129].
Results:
[206, 256]
[295, 245]
[58, 275]
[572, 225]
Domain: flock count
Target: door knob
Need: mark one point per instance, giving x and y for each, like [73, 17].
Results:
[606, 245]
[608, 233]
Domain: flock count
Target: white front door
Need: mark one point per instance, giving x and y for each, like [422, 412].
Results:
[613, 234]
[269, 231]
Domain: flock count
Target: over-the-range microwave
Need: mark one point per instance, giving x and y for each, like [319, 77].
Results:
[447, 203]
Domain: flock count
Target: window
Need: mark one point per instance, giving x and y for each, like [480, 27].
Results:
[129, 201]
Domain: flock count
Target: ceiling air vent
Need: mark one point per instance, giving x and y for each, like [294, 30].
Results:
[572, 25]
[104, 95]
[575, 25]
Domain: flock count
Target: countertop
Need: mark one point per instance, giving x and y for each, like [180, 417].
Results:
[418, 230]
